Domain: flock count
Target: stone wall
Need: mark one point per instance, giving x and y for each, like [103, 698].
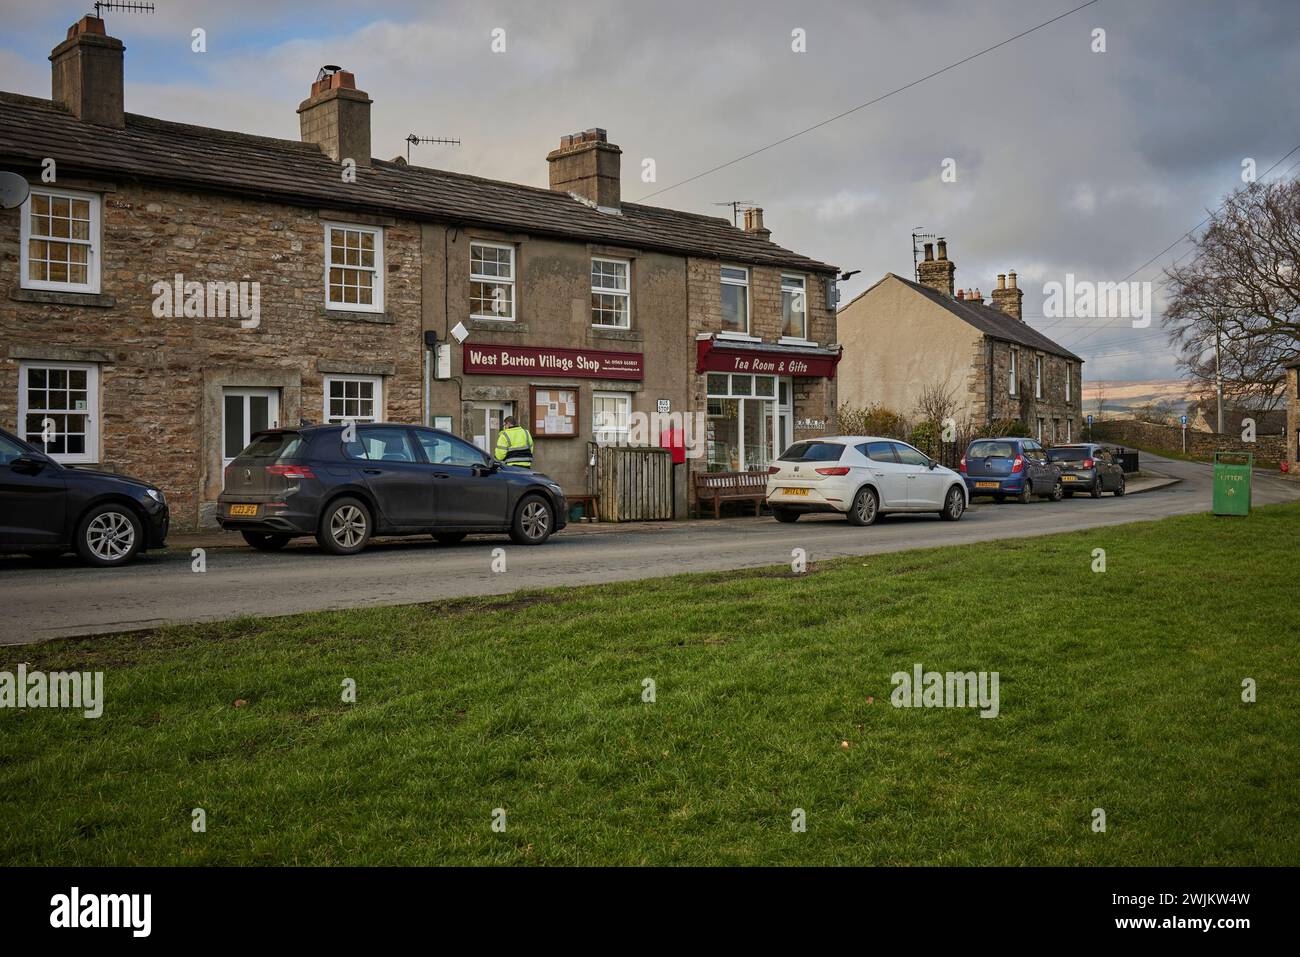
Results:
[1148, 435]
[161, 378]
[1062, 417]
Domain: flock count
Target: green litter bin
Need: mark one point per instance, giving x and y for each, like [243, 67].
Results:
[1232, 483]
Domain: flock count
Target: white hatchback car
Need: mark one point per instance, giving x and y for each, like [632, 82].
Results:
[861, 476]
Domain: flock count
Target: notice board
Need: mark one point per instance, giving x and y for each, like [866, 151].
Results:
[554, 412]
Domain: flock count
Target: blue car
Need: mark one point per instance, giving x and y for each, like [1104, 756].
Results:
[1013, 467]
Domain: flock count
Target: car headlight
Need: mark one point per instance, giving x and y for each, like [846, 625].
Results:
[156, 495]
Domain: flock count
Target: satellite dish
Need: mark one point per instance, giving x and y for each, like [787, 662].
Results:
[13, 190]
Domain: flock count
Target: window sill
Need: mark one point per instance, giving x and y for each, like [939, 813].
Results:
[614, 332]
[496, 325]
[738, 337]
[348, 315]
[52, 297]
[797, 341]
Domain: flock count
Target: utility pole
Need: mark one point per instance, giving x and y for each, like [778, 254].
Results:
[1218, 375]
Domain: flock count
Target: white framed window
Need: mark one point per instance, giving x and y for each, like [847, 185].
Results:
[610, 414]
[611, 296]
[491, 281]
[794, 307]
[1040, 430]
[59, 236]
[1068, 377]
[1069, 430]
[735, 299]
[354, 267]
[1015, 360]
[1038, 377]
[58, 409]
[354, 398]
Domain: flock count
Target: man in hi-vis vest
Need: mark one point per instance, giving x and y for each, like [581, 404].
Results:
[514, 444]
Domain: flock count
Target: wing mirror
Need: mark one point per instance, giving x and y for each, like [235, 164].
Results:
[933, 465]
[29, 463]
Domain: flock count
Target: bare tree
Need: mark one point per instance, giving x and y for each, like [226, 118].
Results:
[936, 403]
[1240, 295]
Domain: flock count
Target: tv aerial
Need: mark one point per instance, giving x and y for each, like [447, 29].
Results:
[413, 140]
[123, 6]
[736, 206]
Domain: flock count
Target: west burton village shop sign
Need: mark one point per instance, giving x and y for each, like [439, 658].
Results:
[543, 360]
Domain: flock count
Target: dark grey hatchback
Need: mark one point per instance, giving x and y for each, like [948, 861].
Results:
[345, 487]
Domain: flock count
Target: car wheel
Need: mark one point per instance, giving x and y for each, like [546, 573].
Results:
[865, 508]
[345, 527]
[109, 535]
[533, 523]
[1095, 491]
[785, 515]
[449, 538]
[954, 505]
[1058, 492]
[266, 541]
[1026, 494]
[1119, 489]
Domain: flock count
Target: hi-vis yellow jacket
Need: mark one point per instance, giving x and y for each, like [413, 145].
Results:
[515, 446]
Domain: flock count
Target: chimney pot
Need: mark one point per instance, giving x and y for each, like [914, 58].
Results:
[336, 117]
[937, 273]
[754, 222]
[1002, 280]
[943, 249]
[961, 293]
[929, 252]
[1011, 280]
[1007, 297]
[86, 74]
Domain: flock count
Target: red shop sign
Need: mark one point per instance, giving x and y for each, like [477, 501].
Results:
[714, 357]
[544, 360]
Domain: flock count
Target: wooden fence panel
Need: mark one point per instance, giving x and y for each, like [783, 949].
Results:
[634, 484]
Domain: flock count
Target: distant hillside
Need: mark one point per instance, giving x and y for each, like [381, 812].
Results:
[1122, 397]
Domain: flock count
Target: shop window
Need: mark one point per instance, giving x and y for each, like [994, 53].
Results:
[354, 268]
[59, 232]
[735, 299]
[746, 426]
[353, 398]
[610, 415]
[492, 281]
[794, 308]
[58, 409]
[611, 298]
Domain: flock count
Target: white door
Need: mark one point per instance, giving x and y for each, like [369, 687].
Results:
[485, 422]
[925, 486]
[244, 412]
[886, 473]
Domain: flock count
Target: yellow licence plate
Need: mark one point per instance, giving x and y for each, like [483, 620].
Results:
[1069, 478]
[987, 485]
[243, 511]
[794, 491]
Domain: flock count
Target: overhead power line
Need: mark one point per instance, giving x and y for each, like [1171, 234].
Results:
[863, 106]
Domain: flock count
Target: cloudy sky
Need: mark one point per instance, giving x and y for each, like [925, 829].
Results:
[1067, 160]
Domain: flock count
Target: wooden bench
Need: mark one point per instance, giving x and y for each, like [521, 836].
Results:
[719, 487]
[590, 505]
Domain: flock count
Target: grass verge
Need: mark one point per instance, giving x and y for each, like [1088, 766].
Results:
[1119, 690]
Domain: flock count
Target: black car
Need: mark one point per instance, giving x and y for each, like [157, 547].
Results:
[344, 484]
[107, 519]
[1088, 468]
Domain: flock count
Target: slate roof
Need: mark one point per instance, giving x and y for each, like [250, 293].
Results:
[990, 321]
[198, 157]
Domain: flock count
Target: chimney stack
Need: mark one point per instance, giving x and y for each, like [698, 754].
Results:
[938, 273]
[336, 117]
[587, 165]
[86, 74]
[1007, 297]
[754, 223]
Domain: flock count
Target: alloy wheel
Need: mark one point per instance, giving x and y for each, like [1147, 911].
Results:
[110, 536]
[866, 508]
[348, 526]
[535, 519]
[954, 504]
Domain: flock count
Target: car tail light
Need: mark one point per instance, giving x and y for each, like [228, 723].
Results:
[773, 469]
[293, 472]
[1089, 463]
[1019, 464]
[835, 470]
[961, 466]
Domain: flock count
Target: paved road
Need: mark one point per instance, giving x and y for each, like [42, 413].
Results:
[68, 599]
